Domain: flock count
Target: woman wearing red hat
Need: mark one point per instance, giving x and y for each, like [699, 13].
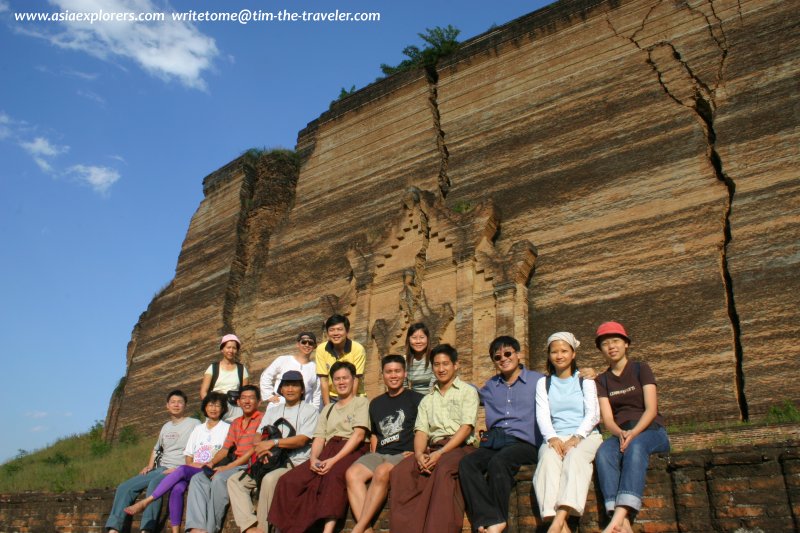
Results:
[629, 407]
[226, 376]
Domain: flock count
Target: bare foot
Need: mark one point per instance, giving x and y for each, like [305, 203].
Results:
[626, 526]
[496, 528]
[137, 507]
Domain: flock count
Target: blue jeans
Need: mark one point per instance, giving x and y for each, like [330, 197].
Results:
[622, 475]
[127, 493]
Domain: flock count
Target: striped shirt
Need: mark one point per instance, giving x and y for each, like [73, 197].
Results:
[242, 433]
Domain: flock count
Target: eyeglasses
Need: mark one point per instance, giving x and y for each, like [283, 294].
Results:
[499, 356]
[306, 342]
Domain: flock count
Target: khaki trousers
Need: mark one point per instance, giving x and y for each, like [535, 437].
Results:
[240, 490]
[565, 482]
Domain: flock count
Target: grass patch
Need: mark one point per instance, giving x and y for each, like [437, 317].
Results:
[782, 414]
[79, 462]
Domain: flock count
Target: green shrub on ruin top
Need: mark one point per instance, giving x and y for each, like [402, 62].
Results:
[439, 43]
[253, 155]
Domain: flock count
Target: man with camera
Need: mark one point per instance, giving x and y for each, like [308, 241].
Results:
[283, 442]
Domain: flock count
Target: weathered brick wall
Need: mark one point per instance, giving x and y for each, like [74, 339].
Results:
[750, 487]
[647, 149]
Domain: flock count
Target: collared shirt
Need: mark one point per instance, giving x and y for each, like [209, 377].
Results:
[243, 433]
[325, 356]
[513, 407]
[441, 415]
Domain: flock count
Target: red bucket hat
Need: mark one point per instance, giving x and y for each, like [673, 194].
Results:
[607, 329]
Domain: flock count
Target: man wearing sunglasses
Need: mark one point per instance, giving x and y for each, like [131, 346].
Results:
[512, 440]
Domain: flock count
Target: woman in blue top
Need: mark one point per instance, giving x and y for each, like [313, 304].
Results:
[567, 414]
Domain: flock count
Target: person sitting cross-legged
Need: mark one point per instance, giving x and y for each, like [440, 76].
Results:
[425, 495]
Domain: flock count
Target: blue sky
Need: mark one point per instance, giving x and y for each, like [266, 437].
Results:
[106, 132]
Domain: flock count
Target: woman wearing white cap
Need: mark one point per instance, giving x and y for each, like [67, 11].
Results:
[567, 414]
[227, 375]
[629, 406]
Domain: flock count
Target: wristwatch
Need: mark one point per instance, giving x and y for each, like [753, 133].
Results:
[275, 442]
[579, 437]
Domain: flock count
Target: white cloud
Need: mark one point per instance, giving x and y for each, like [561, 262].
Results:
[41, 147]
[4, 6]
[100, 179]
[43, 152]
[38, 429]
[43, 165]
[88, 76]
[169, 49]
[36, 414]
[92, 96]
[5, 126]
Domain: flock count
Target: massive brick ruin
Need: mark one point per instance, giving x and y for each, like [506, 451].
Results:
[633, 160]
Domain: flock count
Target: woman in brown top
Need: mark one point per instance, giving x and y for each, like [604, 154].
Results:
[629, 407]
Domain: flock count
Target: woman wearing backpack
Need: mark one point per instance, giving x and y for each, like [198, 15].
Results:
[567, 414]
[227, 375]
[629, 407]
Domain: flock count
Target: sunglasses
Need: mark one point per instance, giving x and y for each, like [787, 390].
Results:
[499, 356]
[306, 342]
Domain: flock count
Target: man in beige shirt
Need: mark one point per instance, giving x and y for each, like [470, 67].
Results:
[443, 436]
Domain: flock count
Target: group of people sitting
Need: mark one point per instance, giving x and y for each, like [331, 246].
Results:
[321, 445]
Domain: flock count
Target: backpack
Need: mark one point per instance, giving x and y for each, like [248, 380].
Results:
[279, 458]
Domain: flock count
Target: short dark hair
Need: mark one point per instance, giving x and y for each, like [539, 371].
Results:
[503, 340]
[337, 319]
[393, 358]
[300, 381]
[338, 365]
[446, 349]
[177, 392]
[252, 388]
[218, 397]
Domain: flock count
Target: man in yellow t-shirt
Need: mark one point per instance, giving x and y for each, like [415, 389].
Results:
[338, 348]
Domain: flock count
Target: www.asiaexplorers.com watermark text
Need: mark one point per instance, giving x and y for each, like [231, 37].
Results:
[243, 16]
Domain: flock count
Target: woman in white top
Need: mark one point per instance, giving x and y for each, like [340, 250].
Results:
[231, 375]
[300, 361]
[204, 442]
[567, 413]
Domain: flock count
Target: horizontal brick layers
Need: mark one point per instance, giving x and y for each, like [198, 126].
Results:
[620, 138]
[721, 490]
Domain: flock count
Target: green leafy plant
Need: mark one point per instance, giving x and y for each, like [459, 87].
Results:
[785, 413]
[463, 206]
[440, 42]
[128, 436]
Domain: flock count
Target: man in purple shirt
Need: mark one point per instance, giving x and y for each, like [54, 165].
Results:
[487, 475]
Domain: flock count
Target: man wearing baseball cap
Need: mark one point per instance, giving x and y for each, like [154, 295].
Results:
[303, 418]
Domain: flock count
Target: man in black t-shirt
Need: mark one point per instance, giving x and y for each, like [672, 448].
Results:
[392, 416]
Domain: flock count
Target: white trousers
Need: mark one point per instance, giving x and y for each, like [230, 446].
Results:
[565, 482]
